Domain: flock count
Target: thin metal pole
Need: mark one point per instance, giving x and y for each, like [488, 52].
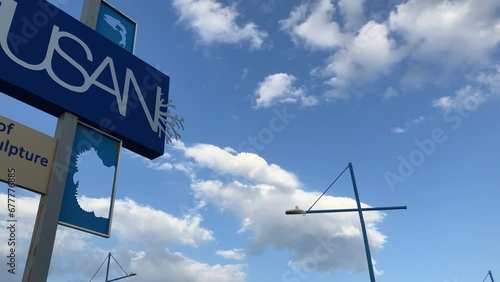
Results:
[491, 276]
[363, 228]
[107, 269]
[98, 269]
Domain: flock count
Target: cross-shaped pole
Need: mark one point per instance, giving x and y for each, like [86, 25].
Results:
[358, 209]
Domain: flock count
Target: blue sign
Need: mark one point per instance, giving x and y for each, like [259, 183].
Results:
[115, 26]
[93, 152]
[55, 63]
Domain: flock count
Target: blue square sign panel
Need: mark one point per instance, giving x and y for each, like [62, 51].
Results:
[89, 193]
[57, 64]
[117, 27]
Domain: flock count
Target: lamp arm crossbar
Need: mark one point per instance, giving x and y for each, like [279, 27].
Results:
[355, 210]
[126, 276]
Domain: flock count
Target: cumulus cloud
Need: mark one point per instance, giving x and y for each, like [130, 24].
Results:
[259, 196]
[242, 165]
[423, 34]
[27, 208]
[157, 263]
[215, 23]
[398, 130]
[433, 29]
[362, 52]
[353, 12]
[390, 93]
[407, 125]
[313, 24]
[466, 97]
[490, 79]
[368, 56]
[159, 165]
[482, 87]
[76, 256]
[236, 254]
[150, 224]
[278, 88]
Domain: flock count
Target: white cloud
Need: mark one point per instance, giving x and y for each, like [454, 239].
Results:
[258, 195]
[156, 264]
[243, 165]
[398, 130]
[445, 103]
[278, 88]
[184, 167]
[353, 13]
[76, 257]
[215, 23]
[313, 25]
[490, 79]
[244, 74]
[417, 120]
[368, 56]
[156, 165]
[390, 93]
[150, 265]
[408, 125]
[485, 85]
[309, 101]
[236, 254]
[132, 220]
[245, 225]
[467, 97]
[25, 216]
[424, 33]
[261, 208]
[433, 30]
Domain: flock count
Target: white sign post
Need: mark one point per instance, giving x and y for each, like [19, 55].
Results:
[47, 219]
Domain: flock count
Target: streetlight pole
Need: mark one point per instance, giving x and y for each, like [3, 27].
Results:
[363, 227]
[108, 258]
[107, 268]
[490, 275]
[360, 211]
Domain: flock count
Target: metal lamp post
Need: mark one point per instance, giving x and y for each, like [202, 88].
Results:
[108, 258]
[360, 211]
[490, 275]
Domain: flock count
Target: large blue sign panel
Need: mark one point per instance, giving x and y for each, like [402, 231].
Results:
[91, 174]
[116, 27]
[55, 63]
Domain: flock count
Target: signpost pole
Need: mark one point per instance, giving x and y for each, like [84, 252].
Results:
[90, 12]
[44, 232]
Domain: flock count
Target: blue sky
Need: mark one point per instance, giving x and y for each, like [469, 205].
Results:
[278, 97]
